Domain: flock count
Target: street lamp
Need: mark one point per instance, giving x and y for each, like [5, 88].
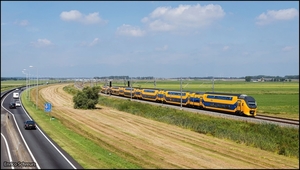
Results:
[37, 85]
[26, 81]
[29, 84]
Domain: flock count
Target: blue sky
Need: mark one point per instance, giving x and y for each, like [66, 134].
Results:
[163, 39]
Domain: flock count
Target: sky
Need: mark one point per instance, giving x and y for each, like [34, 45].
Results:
[162, 39]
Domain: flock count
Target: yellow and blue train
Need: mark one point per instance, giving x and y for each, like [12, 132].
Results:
[240, 104]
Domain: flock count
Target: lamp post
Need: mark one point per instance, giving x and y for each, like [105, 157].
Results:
[37, 88]
[28, 84]
[181, 93]
[26, 81]
[37, 85]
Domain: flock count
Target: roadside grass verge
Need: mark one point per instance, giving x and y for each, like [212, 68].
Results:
[78, 144]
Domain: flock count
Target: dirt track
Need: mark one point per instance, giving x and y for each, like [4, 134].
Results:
[162, 145]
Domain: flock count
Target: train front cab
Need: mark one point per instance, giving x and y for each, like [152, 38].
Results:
[246, 105]
[234, 103]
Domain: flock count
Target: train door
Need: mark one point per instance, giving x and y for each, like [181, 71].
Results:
[201, 103]
[239, 107]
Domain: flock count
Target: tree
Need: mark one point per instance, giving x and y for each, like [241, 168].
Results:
[248, 78]
[87, 98]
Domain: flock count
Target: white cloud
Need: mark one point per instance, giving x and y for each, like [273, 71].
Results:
[22, 23]
[130, 31]
[164, 48]
[94, 42]
[225, 48]
[41, 43]
[184, 16]
[74, 15]
[287, 48]
[272, 15]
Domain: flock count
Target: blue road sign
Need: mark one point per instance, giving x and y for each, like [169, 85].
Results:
[48, 107]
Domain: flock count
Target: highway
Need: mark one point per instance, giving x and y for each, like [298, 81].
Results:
[28, 148]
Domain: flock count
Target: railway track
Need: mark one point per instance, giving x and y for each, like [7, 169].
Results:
[277, 119]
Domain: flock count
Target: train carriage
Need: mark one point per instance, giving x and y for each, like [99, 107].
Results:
[150, 94]
[129, 92]
[115, 90]
[235, 103]
[104, 89]
[175, 97]
[121, 91]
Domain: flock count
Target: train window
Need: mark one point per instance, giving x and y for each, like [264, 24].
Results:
[210, 96]
[219, 97]
[252, 103]
[150, 91]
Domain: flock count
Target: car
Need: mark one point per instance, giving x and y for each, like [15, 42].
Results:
[18, 103]
[29, 124]
[12, 105]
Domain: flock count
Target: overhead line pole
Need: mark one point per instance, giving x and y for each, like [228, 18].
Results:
[181, 93]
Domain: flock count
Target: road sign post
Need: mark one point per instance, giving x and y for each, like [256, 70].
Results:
[48, 108]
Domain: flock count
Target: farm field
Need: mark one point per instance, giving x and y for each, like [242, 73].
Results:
[128, 141]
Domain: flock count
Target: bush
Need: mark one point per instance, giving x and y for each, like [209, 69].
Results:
[87, 98]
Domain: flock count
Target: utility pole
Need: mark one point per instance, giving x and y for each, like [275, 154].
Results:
[213, 83]
[181, 93]
[131, 88]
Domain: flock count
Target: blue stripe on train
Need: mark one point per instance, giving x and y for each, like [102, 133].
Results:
[220, 105]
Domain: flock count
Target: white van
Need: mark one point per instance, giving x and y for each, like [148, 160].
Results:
[15, 95]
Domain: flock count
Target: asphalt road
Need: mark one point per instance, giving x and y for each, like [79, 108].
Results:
[39, 151]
